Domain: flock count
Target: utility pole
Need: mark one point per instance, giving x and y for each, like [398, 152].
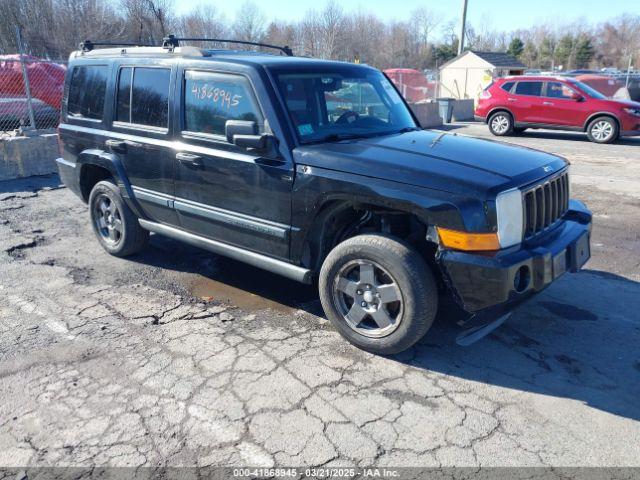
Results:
[462, 27]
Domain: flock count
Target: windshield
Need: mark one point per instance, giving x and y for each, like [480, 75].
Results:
[592, 92]
[353, 103]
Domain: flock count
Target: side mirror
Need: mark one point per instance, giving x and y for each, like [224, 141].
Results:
[576, 97]
[244, 133]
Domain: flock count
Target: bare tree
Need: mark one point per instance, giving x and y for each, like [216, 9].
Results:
[203, 22]
[250, 23]
[148, 20]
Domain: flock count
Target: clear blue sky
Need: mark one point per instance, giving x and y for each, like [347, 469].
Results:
[501, 14]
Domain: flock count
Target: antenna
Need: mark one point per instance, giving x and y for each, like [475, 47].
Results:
[171, 41]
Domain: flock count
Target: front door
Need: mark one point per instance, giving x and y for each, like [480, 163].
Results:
[224, 192]
[564, 109]
[140, 137]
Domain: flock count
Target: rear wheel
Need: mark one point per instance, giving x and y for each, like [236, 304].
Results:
[603, 130]
[115, 225]
[378, 293]
[501, 124]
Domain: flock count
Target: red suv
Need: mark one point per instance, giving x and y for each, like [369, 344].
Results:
[513, 104]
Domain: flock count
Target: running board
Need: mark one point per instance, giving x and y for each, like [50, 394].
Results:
[285, 269]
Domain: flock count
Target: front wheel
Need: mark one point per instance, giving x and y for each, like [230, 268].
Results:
[501, 124]
[378, 293]
[603, 130]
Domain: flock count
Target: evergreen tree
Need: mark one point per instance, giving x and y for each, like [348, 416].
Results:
[516, 47]
[584, 52]
[564, 52]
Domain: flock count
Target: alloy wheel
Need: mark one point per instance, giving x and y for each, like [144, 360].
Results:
[500, 124]
[368, 298]
[602, 130]
[108, 219]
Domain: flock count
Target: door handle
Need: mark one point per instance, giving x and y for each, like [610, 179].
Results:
[116, 145]
[189, 159]
[547, 103]
[512, 99]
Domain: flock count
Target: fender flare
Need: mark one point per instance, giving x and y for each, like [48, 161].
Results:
[112, 163]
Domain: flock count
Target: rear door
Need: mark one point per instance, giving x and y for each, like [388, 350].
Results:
[141, 136]
[224, 192]
[526, 102]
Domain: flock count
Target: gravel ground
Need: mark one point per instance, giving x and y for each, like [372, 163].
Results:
[176, 357]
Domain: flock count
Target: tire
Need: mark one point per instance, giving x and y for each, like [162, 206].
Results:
[603, 130]
[406, 301]
[501, 124]
[113, 222]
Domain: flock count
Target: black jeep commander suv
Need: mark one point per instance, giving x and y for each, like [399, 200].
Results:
[315, 170]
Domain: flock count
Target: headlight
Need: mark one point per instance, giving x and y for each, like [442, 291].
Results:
[510, 217]
[633, 111]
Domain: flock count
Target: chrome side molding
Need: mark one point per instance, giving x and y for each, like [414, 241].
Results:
[273, 265]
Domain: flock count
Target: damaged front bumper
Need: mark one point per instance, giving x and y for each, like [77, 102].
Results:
[489, 285]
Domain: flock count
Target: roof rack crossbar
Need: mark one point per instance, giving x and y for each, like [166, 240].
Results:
[88, 45]
[170, 42]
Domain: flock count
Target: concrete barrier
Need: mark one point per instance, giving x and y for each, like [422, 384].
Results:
[463, 110]
[27, 156]
[427, 114]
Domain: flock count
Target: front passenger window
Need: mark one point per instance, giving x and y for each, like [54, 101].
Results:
[559, 90]
[529, 88]
[210, 99]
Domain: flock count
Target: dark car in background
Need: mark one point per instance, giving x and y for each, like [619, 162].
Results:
[513, 104]
[318, 171]
[14, 113]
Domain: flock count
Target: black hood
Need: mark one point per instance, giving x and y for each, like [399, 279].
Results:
[441, 161]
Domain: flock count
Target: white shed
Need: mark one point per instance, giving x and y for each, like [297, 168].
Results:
[466, 75]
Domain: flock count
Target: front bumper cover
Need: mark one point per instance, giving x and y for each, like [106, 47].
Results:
[493, 284]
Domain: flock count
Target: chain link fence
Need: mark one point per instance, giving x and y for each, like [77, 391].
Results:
[415, 86]
[30, 93]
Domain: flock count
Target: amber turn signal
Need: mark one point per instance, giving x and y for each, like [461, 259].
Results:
[468, 241]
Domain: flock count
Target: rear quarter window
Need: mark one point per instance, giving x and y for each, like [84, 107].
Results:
[87, 90]
[507, 86]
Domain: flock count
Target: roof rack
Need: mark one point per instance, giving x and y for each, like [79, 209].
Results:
[88, 45]
[171, 41]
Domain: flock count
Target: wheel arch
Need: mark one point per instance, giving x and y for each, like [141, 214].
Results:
[593, 116]
[500, 109]
[341, 218]
[96, 165]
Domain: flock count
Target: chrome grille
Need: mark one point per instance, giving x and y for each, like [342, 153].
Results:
[545, 204]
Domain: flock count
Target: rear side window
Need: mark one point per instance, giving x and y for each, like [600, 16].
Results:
[87, 91]
[507, 86]
[529, 88]
[210, 99]
[143, 96]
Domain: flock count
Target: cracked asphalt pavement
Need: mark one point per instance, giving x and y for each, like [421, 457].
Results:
[176, 357]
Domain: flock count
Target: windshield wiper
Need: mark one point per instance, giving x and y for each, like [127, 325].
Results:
[409, 129]
[336, 137]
